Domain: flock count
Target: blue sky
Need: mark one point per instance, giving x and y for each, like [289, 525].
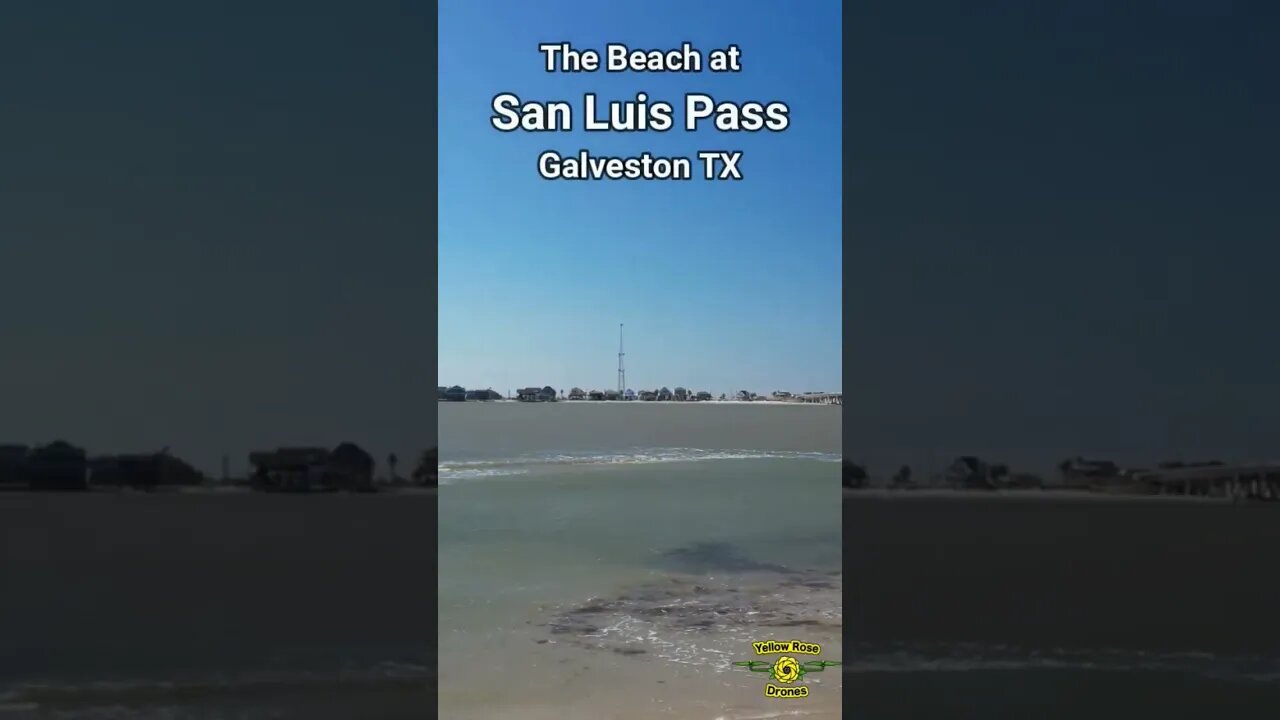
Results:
[721, 285]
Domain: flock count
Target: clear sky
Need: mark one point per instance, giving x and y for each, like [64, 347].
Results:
[1063, 231]
[722, 286]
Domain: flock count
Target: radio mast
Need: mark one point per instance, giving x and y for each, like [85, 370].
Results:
[622, 373]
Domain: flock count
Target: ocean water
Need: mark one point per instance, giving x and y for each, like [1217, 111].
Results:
[1048, 605]
[216, 606]
[612, 561]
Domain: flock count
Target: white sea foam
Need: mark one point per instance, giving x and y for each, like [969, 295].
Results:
[453, 473]
[454, 470]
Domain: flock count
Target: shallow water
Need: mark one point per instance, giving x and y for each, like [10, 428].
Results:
[215, 606]
[982, 605]
[504, 431]
[623, 581]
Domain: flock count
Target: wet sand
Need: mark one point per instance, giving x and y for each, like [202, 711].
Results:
[1145, 574]
[671, 693]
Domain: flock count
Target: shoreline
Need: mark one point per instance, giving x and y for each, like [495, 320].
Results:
[629, 596]
[209, 490]
[504, 401]
[1048, 495]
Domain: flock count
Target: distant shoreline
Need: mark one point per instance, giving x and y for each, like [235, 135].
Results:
[1047, 495]
[786, 403]
[212, 488]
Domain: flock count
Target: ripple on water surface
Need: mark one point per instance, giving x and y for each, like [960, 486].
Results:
[700, 621]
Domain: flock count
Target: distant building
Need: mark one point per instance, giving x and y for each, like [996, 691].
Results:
[457, 393]
[57, 466]
[300, 469]
[289, 468]
[972, 473]
[703, 396]
[483, 395]
[595, 395]
[13, 464]
[533, 394]
[577, 394]
[143, 471]
[612, 395]
[629, 394]
[648, 395]
[349, 467]
[1079, 472]
[1213, 479]
[744, 395]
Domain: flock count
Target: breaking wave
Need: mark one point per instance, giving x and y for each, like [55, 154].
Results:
[452, 471]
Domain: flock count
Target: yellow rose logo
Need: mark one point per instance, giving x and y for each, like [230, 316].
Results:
[786, 670]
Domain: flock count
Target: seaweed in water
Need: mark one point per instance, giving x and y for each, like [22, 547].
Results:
[705, 558]
[677, 606]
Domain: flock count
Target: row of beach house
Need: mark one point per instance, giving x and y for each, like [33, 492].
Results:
[547, 393]
[62, 466]
[1207, 479]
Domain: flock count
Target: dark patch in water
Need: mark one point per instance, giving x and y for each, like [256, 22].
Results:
[675, 606]
[711, 557]
[815, 583]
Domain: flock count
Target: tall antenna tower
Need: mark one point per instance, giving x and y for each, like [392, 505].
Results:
[622, 373]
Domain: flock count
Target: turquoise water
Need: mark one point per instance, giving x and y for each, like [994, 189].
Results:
[585, 577]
